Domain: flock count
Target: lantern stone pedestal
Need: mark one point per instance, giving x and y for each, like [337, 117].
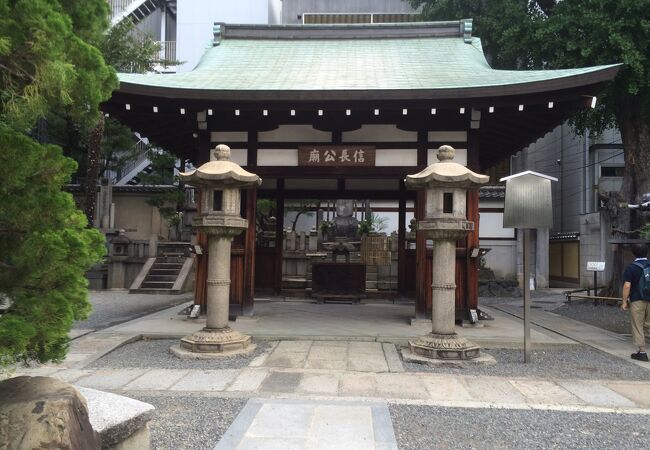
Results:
[220, 219]
[446, 184]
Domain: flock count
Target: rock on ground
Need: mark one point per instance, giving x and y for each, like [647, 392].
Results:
[41, 412]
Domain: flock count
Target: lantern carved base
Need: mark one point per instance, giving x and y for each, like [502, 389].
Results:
[213, 343]
[445, 350]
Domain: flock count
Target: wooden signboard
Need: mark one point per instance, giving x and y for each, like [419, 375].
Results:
[336, 155]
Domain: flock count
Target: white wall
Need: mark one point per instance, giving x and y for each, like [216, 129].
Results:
[195, 19]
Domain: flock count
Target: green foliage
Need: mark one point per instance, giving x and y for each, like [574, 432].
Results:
[129, 50]
[372, 224]
[167, 202]
[523, 34]
[46, 64]
[45, 249]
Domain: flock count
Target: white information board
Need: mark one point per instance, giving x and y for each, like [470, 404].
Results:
[595, 266]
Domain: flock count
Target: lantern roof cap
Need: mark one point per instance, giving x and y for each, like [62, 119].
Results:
[221, 171]
[445, 173]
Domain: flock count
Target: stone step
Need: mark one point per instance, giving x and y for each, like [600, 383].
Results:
[157, 284]
[168, 278]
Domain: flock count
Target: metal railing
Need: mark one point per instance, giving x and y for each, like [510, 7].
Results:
[119, 6]
[167, 50]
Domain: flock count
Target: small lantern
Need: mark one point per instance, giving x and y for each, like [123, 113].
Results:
[120, 245]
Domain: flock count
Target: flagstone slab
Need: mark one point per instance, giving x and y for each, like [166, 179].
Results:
[596, 394]
[446, 389]
[326, 384]
[249, 380]
[205, 380]
[110, 378]
[157, 380]
[545, 393]
[493, 390]
[636, 392]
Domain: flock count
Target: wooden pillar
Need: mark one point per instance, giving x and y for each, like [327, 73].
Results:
[421, 261]
[401, 241]
[249, 253]
[279, 236]
[421, 241]
[201, 278]
[471, 294]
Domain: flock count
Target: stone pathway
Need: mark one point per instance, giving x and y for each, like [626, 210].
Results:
[299, 424]
[336, 355]
[424, 388]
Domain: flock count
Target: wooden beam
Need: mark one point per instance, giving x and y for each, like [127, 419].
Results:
[279, 236]
[421, 261]
[472, 240]
[249, 253]
[401, 241]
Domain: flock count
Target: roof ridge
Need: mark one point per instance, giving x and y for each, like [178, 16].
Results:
[455, 28]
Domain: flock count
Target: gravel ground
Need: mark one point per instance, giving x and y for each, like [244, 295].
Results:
[190, 422]
[566, 362]
[114, 307]
[155, 354]
[427, 427]
[608, 317]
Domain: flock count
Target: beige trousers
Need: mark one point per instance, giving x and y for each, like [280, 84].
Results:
[640, 318]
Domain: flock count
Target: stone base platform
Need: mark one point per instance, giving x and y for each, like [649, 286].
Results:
[482, 360]
[213, 343]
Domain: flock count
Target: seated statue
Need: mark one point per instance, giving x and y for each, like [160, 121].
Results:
[345, 224]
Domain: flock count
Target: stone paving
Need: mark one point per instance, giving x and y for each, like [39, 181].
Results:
[337, 393]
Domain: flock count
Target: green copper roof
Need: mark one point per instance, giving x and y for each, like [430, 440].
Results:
[446, 65]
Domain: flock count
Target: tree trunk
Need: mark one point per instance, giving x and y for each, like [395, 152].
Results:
[635, 134]
[93, 167]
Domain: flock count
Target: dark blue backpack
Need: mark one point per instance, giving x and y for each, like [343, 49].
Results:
[644, 281]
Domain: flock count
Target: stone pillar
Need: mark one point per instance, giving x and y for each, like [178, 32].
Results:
[541, 258]
[443, 285]
[218, 281]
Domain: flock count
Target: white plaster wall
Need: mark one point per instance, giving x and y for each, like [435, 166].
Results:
[396, 157]
[294, 133]
[491, 226]
[379, 133]
[460, 157]
[195, 19]
[239, 156]
[277, 157]
[502, 258]
[228, 136]
[447, 136]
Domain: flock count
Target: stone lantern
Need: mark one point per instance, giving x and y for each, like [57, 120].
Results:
[221, 181]
[446, 184]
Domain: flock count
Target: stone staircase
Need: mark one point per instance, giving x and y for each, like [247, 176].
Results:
[166, 273]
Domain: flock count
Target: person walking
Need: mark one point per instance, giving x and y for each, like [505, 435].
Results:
[633, 299]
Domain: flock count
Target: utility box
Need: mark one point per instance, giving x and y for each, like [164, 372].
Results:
[528, 201]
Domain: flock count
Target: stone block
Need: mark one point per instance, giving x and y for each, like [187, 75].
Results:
[121, 422]
[41, 412]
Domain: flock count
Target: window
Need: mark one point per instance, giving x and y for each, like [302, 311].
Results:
[217, 201]
[612, 171]
[447, 203]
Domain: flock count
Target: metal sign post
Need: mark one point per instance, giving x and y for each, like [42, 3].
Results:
[595, 267]
[526, 295]
[528, 205]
